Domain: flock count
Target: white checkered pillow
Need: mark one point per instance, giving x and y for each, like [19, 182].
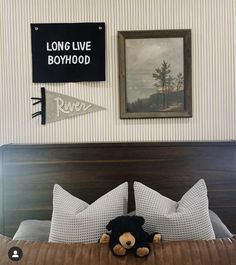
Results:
[73, 220]
[187, 219]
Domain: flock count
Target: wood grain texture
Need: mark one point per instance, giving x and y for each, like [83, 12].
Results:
[29, 173]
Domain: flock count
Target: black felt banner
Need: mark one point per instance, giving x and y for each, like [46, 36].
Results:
[68, 52]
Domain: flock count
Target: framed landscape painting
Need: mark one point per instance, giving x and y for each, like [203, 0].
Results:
[155, 74]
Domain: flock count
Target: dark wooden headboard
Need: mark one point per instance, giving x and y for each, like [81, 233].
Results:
[28, 173]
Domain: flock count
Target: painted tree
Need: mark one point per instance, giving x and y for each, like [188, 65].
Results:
[179, 81]
[170, 83]
[162, 75]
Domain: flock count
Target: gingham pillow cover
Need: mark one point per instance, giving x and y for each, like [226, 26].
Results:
[74, 220]
[187, 219]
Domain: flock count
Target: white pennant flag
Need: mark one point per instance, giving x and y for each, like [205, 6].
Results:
[56, 106]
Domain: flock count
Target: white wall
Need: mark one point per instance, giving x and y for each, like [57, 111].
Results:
[213, 63]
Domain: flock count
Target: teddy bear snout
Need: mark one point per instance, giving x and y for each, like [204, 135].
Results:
[127, 240]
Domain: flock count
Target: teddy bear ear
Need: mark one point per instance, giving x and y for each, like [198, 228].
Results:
[110, 225]
[139, 220]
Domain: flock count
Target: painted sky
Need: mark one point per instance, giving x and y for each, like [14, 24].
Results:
[143, 56]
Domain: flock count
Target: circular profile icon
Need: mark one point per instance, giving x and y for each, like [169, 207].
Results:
[15, 254]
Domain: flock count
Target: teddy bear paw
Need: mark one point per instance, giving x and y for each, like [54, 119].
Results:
[142, 252]
[119, 250]
[157, 238]
[104, 239]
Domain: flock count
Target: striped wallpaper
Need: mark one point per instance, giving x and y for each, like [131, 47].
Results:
[213, 70]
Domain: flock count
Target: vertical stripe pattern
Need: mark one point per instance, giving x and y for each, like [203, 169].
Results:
[213, 71]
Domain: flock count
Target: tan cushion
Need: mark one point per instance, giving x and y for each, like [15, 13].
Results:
[201, 252]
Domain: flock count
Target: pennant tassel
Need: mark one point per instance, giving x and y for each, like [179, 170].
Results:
[35, 103]
[36, 114]
[41, 100]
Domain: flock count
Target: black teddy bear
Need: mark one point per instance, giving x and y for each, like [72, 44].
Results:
[127, 234]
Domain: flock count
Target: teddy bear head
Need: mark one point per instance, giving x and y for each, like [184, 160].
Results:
[126, 229]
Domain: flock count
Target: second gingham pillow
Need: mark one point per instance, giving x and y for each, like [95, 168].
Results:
[187, 219]
[73, 220]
